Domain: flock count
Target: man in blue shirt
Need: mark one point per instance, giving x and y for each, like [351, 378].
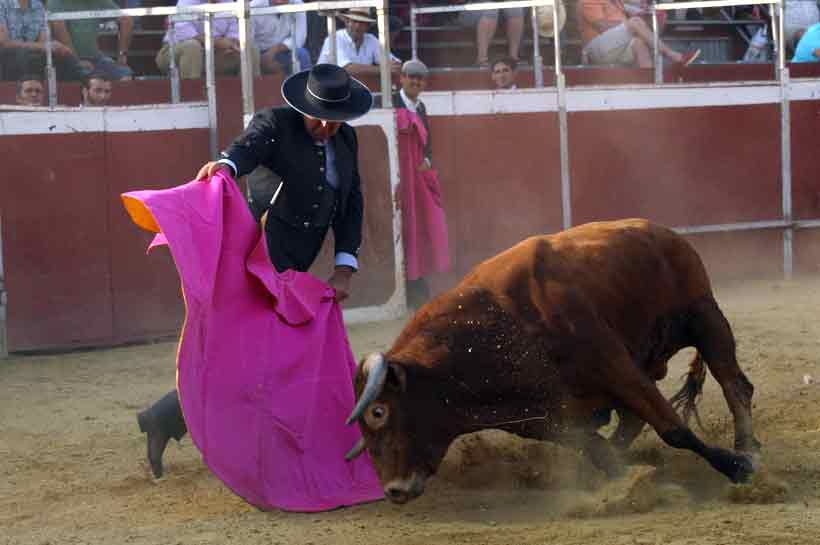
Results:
[808, 48]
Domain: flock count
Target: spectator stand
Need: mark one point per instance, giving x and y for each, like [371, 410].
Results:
[722, 5]
[532, 4]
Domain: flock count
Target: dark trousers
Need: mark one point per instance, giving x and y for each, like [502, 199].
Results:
[19, 62]
[316, 34]
[168, 414]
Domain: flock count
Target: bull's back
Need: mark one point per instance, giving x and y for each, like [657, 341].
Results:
[627, 268]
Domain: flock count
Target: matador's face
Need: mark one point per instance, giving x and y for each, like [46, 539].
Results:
[320, 129]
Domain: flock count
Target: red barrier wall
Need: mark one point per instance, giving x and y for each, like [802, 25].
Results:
[77, 273]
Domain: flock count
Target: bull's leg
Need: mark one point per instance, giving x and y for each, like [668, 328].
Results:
[602, 455]
[625, 382]
[595, 447]
[629, 427]
[712, 336]
[642, 396]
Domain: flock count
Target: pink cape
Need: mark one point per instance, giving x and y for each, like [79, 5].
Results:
[264, 368]
[424, 227]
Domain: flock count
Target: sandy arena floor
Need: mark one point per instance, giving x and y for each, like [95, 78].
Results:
[72, 464]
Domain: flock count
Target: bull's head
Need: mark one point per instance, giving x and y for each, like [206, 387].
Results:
[406, 445]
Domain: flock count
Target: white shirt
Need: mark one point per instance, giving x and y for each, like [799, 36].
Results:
[346, 53]
[410, 104]
[271, 30]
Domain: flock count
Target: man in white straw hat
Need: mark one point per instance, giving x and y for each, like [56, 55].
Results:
[357, 51]
[314, 153]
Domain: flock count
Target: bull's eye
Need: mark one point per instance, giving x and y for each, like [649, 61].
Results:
[376, 417]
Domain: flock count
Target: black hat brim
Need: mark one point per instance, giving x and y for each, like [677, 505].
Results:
[294, 90]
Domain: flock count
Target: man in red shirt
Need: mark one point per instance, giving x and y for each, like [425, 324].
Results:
[615, 33]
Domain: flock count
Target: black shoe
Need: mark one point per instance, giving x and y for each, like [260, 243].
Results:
[157, 441]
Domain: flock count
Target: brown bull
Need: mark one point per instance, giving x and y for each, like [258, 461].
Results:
[545, 340]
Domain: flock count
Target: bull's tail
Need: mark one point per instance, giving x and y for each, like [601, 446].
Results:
[686, 400]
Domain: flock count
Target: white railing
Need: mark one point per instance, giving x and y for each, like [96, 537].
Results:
[243, 12]
[782, 74]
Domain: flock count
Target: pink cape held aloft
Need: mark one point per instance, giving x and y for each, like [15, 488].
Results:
[264, 368]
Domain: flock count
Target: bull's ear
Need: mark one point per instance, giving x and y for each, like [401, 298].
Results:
[397, 377]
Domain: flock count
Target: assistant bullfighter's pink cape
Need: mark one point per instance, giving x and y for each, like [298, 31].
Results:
[264, 369]
[423, 225]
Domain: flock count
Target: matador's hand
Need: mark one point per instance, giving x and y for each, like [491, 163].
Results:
[210, 168]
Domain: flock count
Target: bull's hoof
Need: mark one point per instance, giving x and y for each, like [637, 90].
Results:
[743, 469]
[738, 467]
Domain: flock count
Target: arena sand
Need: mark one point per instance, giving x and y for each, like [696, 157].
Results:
[72, 464]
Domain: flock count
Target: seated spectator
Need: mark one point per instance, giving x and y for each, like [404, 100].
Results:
[808, 45]
[357, 51]
[798, 15]
[272, 36]
[96, 90]
[81, 37]
[613, 33]
[189, 46]
[503, 74]
[486, 23]
[30, 90]
[23, 43]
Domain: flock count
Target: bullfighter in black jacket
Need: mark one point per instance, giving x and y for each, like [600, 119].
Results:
[312, 153]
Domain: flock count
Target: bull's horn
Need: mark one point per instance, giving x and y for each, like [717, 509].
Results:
[376, 369]
[357, 449]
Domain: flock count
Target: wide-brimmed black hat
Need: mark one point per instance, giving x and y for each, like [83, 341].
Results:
[327, 92]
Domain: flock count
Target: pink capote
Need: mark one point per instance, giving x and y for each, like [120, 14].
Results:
[424, 227]
[264, 369]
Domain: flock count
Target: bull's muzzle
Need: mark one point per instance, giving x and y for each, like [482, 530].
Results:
[403, 490]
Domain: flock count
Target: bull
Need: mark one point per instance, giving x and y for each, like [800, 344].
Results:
[546, 340]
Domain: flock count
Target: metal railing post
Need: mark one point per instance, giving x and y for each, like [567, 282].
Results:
[563, 127]
[537, 62]
[294, 58]
[210, 84]
[786, 174]
[331, 33]
[656, 43]
[173, 69]
[779, 37]
[246, 65]
[414, 38]
[556, 41]
[51, 73]
[384, 66]
[785, 142]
